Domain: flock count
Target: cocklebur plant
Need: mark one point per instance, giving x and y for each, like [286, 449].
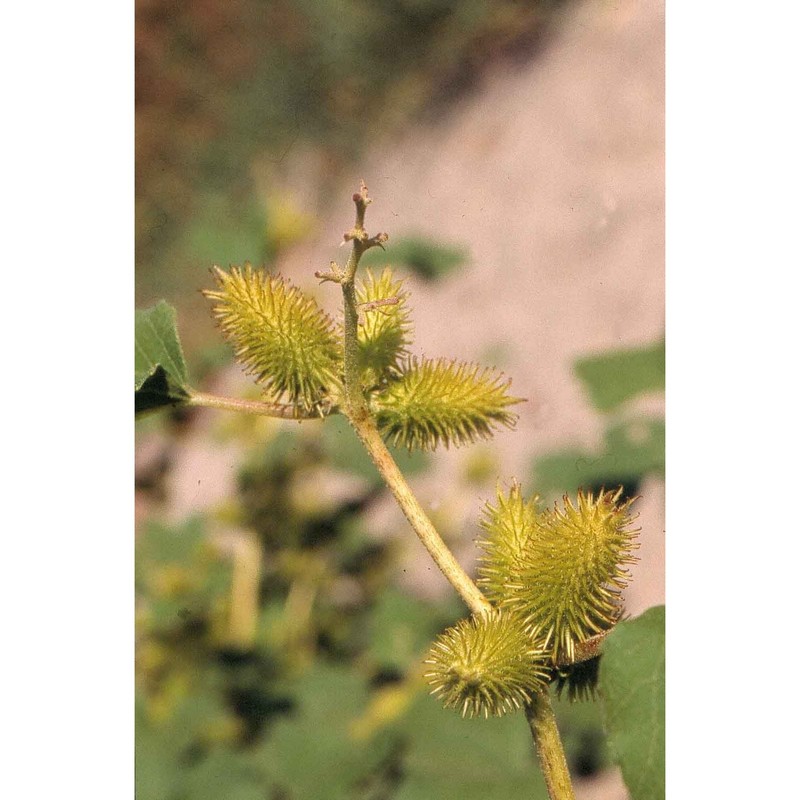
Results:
[550, 579]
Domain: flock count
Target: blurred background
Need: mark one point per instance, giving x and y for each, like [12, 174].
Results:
[515, 154]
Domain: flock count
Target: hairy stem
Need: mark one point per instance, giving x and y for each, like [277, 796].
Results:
[539, 711]
[542, 721]
[416, 516]
[355, 408]
[281, 410]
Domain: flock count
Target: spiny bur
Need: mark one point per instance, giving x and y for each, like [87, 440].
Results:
[572, 570]
[384, 330]
[486, 665]
[507, 525]
[279, 335]
[443, 402]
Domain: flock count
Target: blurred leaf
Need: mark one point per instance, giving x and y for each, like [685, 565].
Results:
[162, 744]
[158, 772]
[428, 259]
[288, 224]
[614, 377]
[450, 758]
[346, 453]
[402, 628]
[313, 752]
[165, 543]
[632, 450]
[226, 775]
[632, 687]
[178, 572]
[159, 366]
[223, 232]
[581, 726]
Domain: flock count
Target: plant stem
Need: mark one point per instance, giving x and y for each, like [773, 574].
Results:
[539, 711]
[542, 721]
[281, 410]
[416, 516]
[356, 410]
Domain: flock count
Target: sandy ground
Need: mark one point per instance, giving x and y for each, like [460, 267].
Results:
[552, 173]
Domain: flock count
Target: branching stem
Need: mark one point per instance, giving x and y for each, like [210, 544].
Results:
[355, 408]
[281, 410]
[539, 712]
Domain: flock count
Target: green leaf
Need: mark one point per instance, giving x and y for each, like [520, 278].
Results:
[632, 687]
[401, 628]
[450, 758]
[226, 774]
[612, 378]
[632, 450]
[314, 753]
[160, 369]
[581, 727]
[428, 259]
[179, 574]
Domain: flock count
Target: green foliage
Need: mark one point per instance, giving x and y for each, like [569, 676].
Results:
[160, 369]
[632, 686]
[278, 333]
[222, 87]
[448, 759]
[486, 665]
[384, 332]
[633, 447]
[226, 232]
[631, 450]
[179, 572]
[443, 402]
[402, 626]
[428, 259]
[313, 752]
[581, 727]
[167, 763]
[614, 377]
